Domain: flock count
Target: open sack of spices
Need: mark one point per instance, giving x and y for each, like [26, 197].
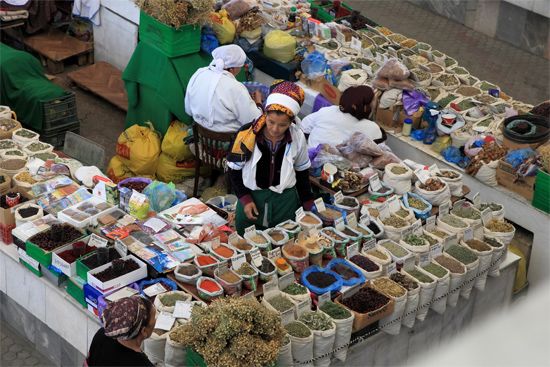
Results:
[413, 297]
[368, 306]
[421, 207]
[324, 334]
[301, 339]
[453, 179]
[500, 229]
[339, 239]
[442, 277]
[470, 261]
[484, 164]
[434, 190]
[391, 324]
[279, 302]
[166, 302]
[452, 224]
[484, 253]
[319, 280]
[427, 289]
[394, 227]
[457, 273]
[398, 177]
[230, 281]
[343, 320]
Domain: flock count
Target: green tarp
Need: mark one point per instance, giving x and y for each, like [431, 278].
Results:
[23, 86]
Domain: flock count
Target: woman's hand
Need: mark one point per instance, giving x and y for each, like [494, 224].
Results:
[257, 97]
[251, 211]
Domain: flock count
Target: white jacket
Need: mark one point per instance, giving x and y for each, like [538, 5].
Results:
[296, 159]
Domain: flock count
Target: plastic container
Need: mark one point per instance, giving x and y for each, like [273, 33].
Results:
[58, 112]
[360, 278]
[407, 127]
[333, 288]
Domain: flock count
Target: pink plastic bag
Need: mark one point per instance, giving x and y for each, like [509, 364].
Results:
[362, 144]
[394, 69]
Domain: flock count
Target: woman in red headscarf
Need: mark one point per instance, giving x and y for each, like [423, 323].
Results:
[269, 163]
[335, 124]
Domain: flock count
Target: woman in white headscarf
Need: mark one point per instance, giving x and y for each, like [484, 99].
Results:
[215, 99]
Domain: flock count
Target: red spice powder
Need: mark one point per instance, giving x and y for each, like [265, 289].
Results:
[224, 251]
[209, 286]
[205, 260]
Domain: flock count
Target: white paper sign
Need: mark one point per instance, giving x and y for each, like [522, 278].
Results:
[250, 229]
[338, 197]
[274, 254]
[352, 250]
[365, 219]
[286, 280]
[233, 237]
[302, 307]
[374, 182]
[270, 287]
[165, 321]
[392, 268]
[417, 227]
[476, 199]
[122, 293]
[424, 259]
[154, 290]
[369, 245]
[469, 234]
[356, 44]
[155, 224]
[351, 290]
[451, 240]
[430, 223]
[237, 261]
[422, 174]
[121, 248]
[444, 208]
[339, 224]
[323, 298]
[434, 169]
[320, 205]
[409, 263]
[256, 256]
[96, 241]
[393, 204]
[436, 250]
[352, 220]
[29, 260]
[486, 216]
[383, 211]
[407, 232]
[300, 213]
[182, 310]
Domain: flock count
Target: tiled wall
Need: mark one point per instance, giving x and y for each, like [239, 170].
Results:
[523, 23]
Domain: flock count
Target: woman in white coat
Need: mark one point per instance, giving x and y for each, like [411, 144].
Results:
[335, 124]
[218, 101]
[269, 163]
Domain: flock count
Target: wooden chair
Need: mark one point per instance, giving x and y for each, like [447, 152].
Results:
[211, 148]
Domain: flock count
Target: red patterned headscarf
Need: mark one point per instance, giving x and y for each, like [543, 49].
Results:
[286, 97]
[124, 318]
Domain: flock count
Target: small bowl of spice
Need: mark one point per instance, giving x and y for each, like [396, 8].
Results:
[230, 281]
[206, 264]
[188, 273]
[297, 256]
[209, 289]
[249, 275]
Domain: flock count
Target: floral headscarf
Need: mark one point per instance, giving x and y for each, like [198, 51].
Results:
[124, 318]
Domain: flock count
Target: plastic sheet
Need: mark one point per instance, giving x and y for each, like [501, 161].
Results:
[161, 195]
[314, 65]
[413, 100]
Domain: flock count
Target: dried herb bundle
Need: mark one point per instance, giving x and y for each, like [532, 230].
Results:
[177, 13]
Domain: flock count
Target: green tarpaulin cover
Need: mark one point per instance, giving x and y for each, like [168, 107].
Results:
[23, 86]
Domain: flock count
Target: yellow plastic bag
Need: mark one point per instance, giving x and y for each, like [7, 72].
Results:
[173, 144]
[280, 46]
[138, 148]
[223, 27]
[117, 171]
[253, 34]
[170, 170]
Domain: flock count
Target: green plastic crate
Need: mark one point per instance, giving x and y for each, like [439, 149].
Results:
[194, 359]
[43, 257]
[541, 196]
[323, 12]
[76, 290]
[170, 41]
[38, 272]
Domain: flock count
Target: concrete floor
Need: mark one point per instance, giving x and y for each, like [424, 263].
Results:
[17, 351]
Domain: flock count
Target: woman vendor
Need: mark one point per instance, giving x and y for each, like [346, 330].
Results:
[335, 124]
[269, 163]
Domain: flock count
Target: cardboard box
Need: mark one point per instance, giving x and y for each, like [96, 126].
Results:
[42, 256]
[326, 89]
[506, 176]
[388, 119]
[7, 216]
[65, 267]
[113, 284]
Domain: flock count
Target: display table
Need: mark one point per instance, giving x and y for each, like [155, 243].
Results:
[62, 330]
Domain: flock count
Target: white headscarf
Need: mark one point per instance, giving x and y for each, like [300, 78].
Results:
[207, 79]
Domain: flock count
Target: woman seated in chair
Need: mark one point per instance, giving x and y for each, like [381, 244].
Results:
[269, 163]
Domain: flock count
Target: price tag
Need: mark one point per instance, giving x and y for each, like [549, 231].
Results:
[339, 224]
[300, 213]
[356, 44]
[313, 231]
[392, 268]
[250, 229]
[393, 203]
[352, 220]
[383, 211]
[451, 240]
[165, 321]
[287, 316]
[408, 263]
[322, 299]
[436, 250]
[365, 219]
[351, 291]
[256, 256]
[374, 182]
[274, 254]
[154, 290]
[444, 208]
[29, 260]
[121, 248]
[434, 169]
[215, 242]
[369, 245]
[96, 241]
[286, 280]
[424, 259]
[417, 227]
[476, 199]
[302, 307]
[352, 250]
[407, 232]
[320, 205]
[422, 174]
[338, 197]
[430, 223]
[270, 287]
[223, 267]
[486, 216]
[182, 310]
[237, 261]
[469, 234]
[233, 237]
[340, 37]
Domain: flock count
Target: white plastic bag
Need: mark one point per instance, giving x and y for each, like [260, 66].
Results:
[400, 183]
[427, 291]
[484, 258]
[436, 198]
[487, 173]
[352, 78]
[19, 220]
[162, 308]
[342, 336]
[174, 353]
[154, 347]
[448, 228]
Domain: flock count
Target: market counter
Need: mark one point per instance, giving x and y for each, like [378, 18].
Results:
[62, 330]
